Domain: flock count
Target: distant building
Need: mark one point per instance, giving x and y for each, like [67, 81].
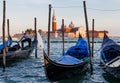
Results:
[54, 23]
[56, 34]
[98, 34]
[81, 31]
[67, 29]
[19, 35]
[52, 35]
[74, 29]
[69, 35]
[71, 31]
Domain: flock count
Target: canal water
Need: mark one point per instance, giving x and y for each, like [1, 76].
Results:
[32, 71]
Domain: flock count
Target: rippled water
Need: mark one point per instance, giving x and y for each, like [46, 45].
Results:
[31, 70]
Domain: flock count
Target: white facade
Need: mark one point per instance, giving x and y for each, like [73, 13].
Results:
[69, 35]
[81, 31]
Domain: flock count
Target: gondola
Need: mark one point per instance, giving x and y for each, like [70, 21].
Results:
[11, 51]
[72, 63]
[110, 56]
[15, 52]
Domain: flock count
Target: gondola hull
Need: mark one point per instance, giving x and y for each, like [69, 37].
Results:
[110, 56]
[71, 63]
[111, 68]
[55, 73]
[17, 55]
[114, 71]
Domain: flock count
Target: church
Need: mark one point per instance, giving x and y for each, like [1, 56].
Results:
[71, 31]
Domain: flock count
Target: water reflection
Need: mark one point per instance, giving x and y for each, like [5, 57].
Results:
[109, 78]
[76, 79]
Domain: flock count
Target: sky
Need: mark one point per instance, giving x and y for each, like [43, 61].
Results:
[21, 14]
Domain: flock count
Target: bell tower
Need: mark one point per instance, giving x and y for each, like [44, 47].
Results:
[54, 23]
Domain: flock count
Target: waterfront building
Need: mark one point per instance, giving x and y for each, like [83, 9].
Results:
[81, 31]
[98, 34]
[67, 35]
[70, 31]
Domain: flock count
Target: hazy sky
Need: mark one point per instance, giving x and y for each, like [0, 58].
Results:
[22, 12]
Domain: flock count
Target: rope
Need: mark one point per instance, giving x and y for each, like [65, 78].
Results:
[106, 10]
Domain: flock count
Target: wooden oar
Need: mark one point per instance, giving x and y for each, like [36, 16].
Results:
[35, 26]
[3, 30]
[86, 21]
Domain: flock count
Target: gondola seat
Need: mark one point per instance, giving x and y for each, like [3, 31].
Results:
[14, 48]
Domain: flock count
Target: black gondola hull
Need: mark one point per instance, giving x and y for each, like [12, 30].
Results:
[114, 71]
[70, 64]
[13, 56]
[110, 56]
[55, 73]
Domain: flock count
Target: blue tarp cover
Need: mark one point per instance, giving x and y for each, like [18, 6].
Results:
[75, 54]
[68, 60]
[80, 50]
[7, 43]
[110, 49]
[109, 43]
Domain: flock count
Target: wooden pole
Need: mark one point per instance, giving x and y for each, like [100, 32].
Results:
[8, 28]
[3, 29]
[49, 23]
[86, 21]
[35, 26]
[92, 37]
[63, 34]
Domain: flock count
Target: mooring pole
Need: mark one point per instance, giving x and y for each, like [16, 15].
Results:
[49, 23]
[86, 21]
[3, 30]
[35, 26]
[92, 37]
[63, 34]
[8, 28]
